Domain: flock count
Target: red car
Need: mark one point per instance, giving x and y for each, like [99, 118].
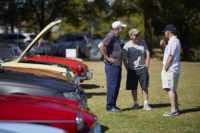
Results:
[47, 111]
[77, 66]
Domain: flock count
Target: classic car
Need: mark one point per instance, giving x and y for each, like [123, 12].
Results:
[72, 40]
[77, 66]
[54, 70]
[11, 48]
[13, 127]
[19, 38]
[13, 82]
[28, 109]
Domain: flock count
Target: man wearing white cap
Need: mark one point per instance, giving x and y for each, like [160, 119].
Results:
[112, 51]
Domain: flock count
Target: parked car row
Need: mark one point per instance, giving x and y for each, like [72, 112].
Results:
[42, 89]
[64, 68]
[55, 113]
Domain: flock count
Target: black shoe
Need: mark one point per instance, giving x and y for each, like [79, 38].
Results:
[114, 109]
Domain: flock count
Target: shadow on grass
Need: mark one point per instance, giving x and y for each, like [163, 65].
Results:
[160, 105]
[152, 105]
[89, 86]
[190, 110]
[104, 128]
[90, 94]
[129, 109]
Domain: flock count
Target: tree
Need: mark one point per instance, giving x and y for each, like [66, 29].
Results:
[185, 16]
[87, 14]
[146, 7]
[10, 13]
[43, 12]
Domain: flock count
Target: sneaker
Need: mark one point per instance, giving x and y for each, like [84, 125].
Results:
[114, 109]
[135, 106]
[171, 113]
[147, 107]
[176, 111]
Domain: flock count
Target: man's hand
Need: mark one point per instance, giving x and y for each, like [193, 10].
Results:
[162, 43]
[168, 62]
[111, 60]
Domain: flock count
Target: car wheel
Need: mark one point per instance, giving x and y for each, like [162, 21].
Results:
[95, 54]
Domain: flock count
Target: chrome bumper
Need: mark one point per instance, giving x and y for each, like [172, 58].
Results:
[87, 76]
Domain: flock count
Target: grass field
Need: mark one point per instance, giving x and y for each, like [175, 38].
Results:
[141, 121]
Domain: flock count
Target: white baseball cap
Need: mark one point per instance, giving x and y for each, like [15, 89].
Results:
[118, 24]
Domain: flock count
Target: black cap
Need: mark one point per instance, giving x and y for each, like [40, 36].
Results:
[169, 27]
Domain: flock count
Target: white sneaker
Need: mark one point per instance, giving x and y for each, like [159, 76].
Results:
[171, 113]
[147, 107]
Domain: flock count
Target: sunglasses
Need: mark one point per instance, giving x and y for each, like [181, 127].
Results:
[137, 35]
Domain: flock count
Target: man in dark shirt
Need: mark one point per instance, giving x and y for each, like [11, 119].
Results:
[110, 48]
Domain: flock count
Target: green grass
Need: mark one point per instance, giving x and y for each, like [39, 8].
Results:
[141, 121]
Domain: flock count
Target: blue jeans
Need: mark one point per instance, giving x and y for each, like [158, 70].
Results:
[113, 79]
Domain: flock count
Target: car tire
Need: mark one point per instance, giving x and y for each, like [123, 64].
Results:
[95, 54]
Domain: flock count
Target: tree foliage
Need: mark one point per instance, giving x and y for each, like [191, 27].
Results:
[96, 16]
[10, 13]
[185, 16]
[43, 12]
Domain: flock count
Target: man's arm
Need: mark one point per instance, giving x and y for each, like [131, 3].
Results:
[125, 64]
[102, 50]
[168, 62]
[147, 61]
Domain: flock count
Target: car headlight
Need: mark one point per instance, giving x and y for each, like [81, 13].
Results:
[79, 122]
[79, 67]
[71, 74]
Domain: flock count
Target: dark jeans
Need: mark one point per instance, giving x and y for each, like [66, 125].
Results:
[113, 78]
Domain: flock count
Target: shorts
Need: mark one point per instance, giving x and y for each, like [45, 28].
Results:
[133, 76]
[169, 79]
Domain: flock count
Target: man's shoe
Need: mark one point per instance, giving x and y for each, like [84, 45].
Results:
[147, 107]
[114, 109]
[135, 106]
[117, 108]
[171, 113]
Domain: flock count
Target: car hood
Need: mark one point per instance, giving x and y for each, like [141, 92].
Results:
[35, 81]
[28, 107]
[41, 34]
[36, 109]
[61, 60]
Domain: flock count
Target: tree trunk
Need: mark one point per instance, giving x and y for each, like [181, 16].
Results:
[147, 26]
[42, 23]
[12, 26]
[184, 42]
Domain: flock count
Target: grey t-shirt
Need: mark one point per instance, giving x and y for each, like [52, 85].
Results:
[113, 48]
[135, 54]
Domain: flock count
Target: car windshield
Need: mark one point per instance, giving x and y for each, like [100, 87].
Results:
[13, 50]
[5, 55]
[41, 47]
